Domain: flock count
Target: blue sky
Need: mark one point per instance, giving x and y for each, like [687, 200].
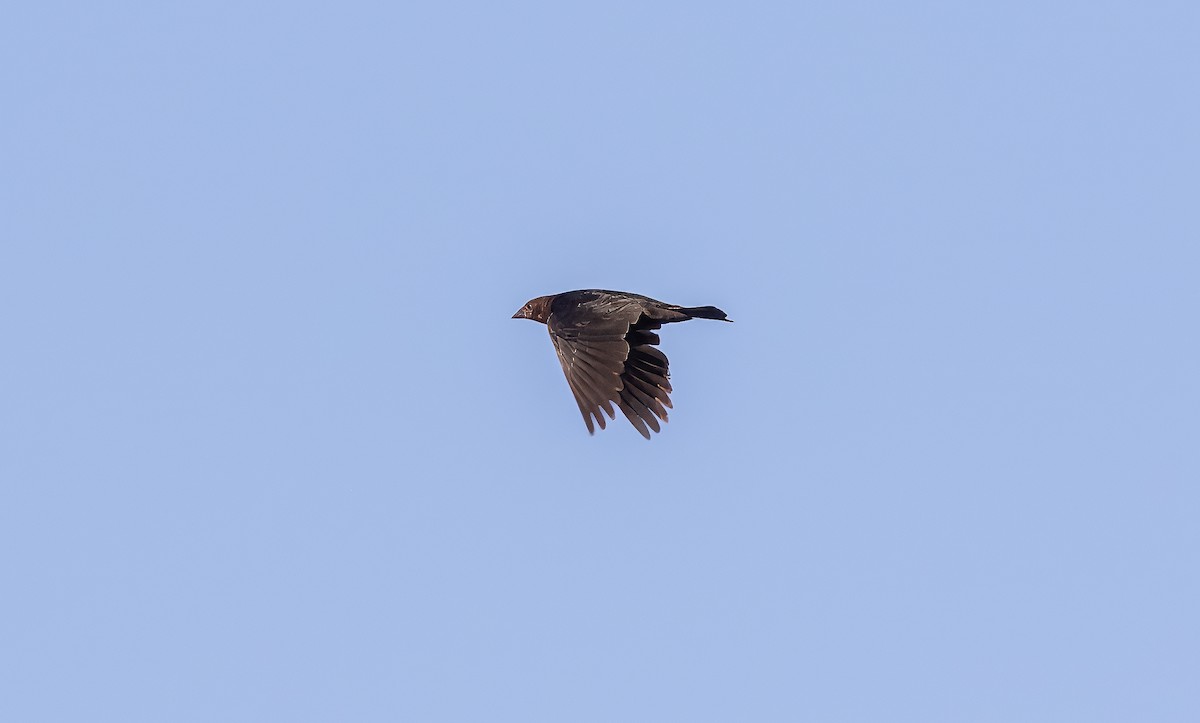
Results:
[273, 450]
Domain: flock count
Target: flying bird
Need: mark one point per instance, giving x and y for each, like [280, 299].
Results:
[606, 344]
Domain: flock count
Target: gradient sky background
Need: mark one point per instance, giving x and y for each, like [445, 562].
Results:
[273, 450]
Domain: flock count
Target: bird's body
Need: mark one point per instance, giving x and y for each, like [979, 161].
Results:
[606, 344]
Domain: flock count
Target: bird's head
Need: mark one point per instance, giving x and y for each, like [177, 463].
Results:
[537, 309]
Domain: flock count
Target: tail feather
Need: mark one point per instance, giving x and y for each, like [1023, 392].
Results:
[704, 312]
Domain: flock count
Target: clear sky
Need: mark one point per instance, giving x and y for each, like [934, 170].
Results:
[271, 448]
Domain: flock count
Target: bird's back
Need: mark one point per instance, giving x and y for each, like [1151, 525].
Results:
[593, 306]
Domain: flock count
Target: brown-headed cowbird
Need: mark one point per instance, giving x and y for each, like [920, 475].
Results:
[605, 343]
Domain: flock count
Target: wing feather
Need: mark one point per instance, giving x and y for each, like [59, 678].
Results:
[635, 419]
[630, 403]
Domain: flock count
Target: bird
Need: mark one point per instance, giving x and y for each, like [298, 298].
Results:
[606, 344]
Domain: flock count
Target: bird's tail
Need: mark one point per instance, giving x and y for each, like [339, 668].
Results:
[704, 312]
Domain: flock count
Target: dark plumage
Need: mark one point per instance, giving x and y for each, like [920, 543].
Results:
[606, 344]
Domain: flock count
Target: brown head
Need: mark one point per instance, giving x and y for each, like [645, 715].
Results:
[537, 309]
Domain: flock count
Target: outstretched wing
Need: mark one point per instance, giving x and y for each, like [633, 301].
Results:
[645, 380]
[609, 359]
[593, 368]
